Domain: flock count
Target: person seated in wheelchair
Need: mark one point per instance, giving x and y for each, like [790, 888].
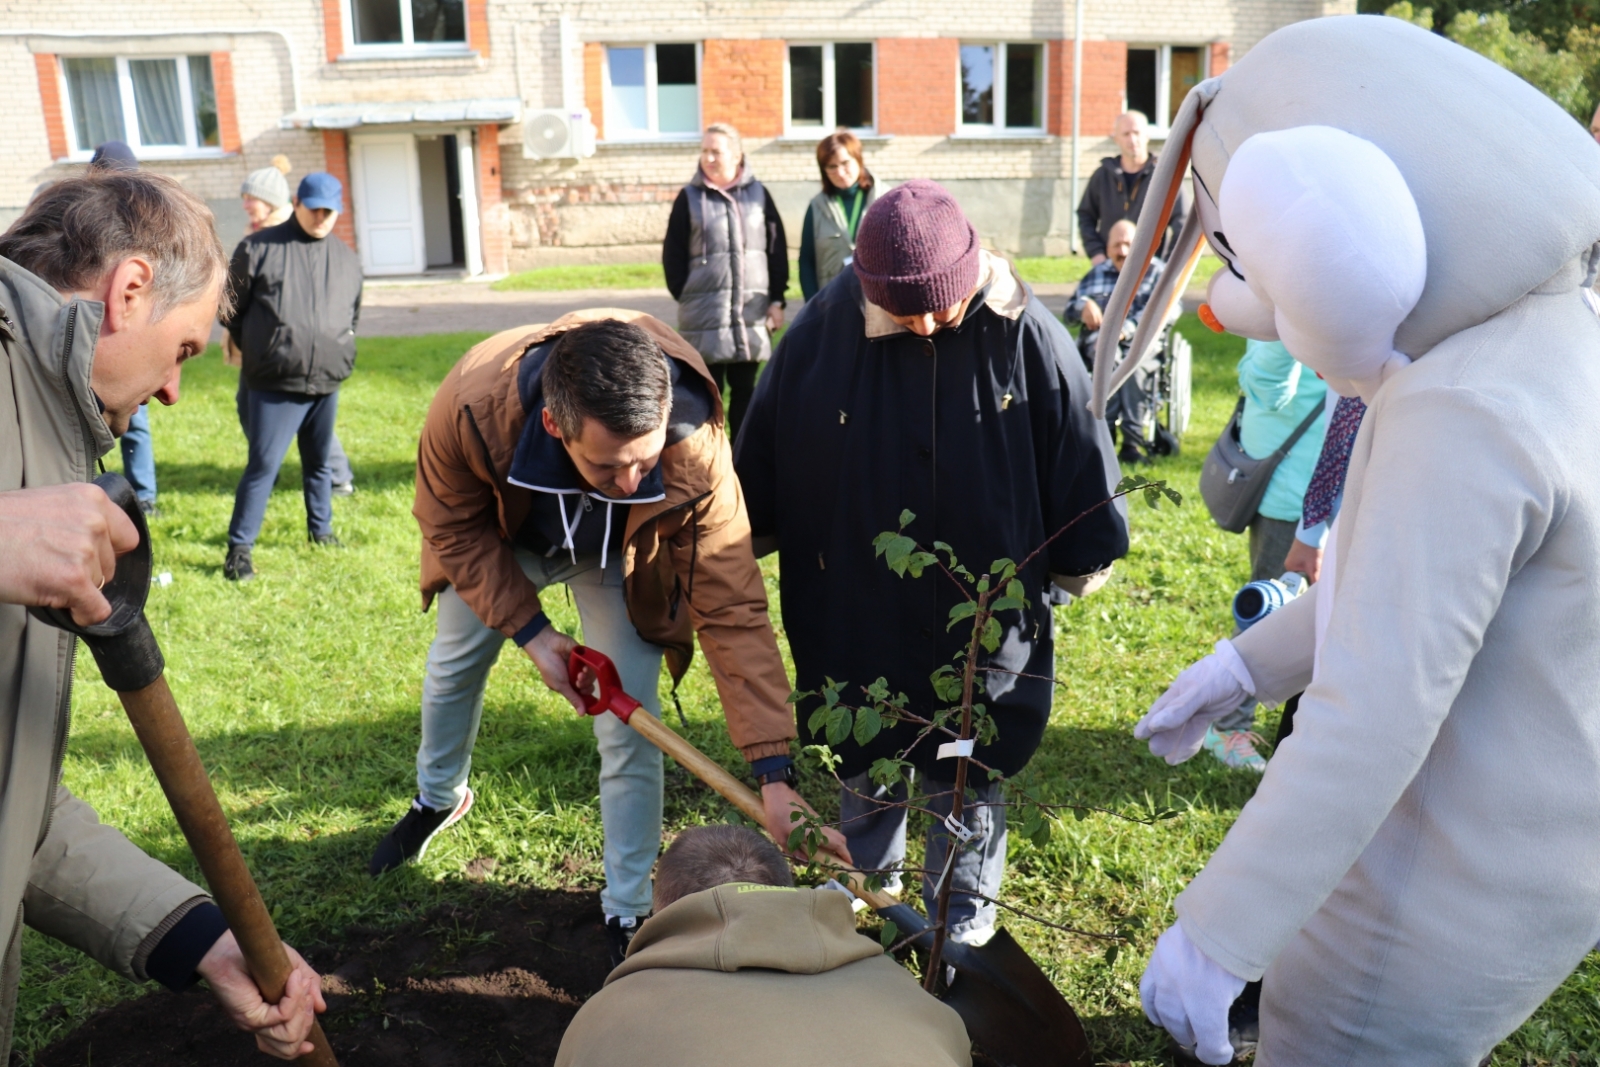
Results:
[1131, 409]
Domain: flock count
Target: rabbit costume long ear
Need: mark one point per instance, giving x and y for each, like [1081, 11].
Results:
[1153, 221]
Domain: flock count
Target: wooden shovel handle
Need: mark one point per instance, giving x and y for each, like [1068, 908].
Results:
[183, 778]
[741, 796]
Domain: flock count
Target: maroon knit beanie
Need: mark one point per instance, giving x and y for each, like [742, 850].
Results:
[915, 251]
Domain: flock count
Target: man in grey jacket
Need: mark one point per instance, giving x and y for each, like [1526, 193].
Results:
[108, 282]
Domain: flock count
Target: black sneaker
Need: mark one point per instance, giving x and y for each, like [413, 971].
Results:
[619, 933]
[238, 568]
[327, 541]
[344, 488]
[410, 837]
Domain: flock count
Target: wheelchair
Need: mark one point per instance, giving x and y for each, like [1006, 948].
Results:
[1170, 387]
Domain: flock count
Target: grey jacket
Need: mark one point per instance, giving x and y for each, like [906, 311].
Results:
[722, 310]
[61, 872]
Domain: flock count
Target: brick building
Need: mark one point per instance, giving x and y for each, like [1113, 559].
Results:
[446, 118]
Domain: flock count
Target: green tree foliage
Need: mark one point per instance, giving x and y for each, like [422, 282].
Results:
[1544, 44]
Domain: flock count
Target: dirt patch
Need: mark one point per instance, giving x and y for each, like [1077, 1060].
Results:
[492, 983]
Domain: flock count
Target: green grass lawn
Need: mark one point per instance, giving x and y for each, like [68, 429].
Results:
[302, 687]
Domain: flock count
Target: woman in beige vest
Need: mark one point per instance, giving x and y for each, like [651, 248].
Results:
[828, 236]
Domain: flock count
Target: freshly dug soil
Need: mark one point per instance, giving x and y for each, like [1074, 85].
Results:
[494, 983]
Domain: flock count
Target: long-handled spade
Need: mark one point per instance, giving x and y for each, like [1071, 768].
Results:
[131, 662]
[1012, 1011]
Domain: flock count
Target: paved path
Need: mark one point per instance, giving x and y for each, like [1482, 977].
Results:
[397, 310]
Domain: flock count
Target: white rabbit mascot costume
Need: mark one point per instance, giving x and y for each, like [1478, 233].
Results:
[1420, 867]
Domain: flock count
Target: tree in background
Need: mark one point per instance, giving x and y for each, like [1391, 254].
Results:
[1553, 46]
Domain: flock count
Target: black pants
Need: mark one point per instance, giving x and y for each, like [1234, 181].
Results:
[742, 378]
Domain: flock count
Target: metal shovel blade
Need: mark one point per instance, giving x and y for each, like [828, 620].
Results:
[1013, 1013]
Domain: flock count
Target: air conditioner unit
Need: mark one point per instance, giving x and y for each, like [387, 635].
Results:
[558, 133]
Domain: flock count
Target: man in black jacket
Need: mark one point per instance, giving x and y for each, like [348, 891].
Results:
[1116, 189]
[297, 296]
[929, 379]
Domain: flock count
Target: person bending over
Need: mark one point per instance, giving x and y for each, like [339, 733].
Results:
[590, 452]
[732, 941]
[108, 283]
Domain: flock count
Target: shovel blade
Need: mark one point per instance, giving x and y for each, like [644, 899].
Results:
[1014, 1014]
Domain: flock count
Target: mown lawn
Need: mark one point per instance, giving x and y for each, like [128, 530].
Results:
[302, 691]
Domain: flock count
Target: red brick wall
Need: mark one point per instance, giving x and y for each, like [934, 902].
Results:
[227, 104]
[494, 217]
[478, 25]
[332, 29]
[1105, 78]
[741, 82]
[336, 161]
[917, 85]
[1221, 57]
[594, 86]
[50, 103]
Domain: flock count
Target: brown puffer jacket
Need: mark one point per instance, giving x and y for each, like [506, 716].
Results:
[687, 563]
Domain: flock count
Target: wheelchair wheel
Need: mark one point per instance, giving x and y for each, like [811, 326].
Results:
[1176, 372]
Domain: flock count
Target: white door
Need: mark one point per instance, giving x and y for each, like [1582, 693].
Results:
[388, 203]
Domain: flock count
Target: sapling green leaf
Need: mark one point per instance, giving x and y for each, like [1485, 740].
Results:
[1172, 495]
[868, 723]
[1111, 954]
[907, 517]
[839, 722]
[824, 755]
[889, 934]
[818, 718]
[991, 634]
[964, 610]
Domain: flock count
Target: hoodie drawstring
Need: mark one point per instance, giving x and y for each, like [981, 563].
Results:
[606, 544]
[561, 502]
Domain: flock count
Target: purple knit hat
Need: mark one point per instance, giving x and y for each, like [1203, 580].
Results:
[915, 251]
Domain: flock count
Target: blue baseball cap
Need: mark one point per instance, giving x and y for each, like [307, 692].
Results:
[320, 189]
[114, 155]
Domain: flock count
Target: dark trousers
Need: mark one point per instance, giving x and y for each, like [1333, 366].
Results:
[337, 459]
[742, 377]
[272, 421]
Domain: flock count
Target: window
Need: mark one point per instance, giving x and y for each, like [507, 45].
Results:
[1002, 88]
[653, 91]
[830, 85]
[407, 24]
[1159, 78]
[161, 107]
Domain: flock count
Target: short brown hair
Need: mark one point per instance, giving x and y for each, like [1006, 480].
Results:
[79, 228]
[704, 857]
[610, 371]
[850, 143]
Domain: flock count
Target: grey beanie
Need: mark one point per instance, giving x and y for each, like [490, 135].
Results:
[269, 183]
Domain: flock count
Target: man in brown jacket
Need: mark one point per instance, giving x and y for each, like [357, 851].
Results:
[590, 452]
[732, 941]
[108, 282]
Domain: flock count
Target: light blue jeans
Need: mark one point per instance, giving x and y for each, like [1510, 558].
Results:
[877, 839]
[630, 767]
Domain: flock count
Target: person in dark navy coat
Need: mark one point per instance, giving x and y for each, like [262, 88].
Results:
[928, 378]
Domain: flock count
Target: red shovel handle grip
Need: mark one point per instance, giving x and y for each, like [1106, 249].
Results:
[612, 696]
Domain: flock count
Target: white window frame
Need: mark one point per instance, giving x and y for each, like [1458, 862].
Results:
[408, 48]
[1159, 126]
[830, 92]
[652, 104]
[998, 128]
[190, 149]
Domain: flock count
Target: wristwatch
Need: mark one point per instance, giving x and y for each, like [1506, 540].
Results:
[786, 774]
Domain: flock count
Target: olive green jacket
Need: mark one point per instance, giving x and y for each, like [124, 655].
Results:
[61, 871]
[744, 973]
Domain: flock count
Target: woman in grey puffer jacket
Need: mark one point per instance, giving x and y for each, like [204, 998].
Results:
[727, 264]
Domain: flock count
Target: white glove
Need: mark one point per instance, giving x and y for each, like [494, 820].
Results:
[1176, 723]
[1187, 994]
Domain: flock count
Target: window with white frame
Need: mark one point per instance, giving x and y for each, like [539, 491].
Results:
[163, 106]
[831, 85]
[410, 25]
[1002, 88]
[1160, 76]
[652, 90]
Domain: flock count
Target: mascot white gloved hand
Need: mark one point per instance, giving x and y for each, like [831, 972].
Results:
[1207, 690]
[1418, 868]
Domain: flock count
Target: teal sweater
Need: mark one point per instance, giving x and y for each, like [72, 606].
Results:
[1279, 392]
